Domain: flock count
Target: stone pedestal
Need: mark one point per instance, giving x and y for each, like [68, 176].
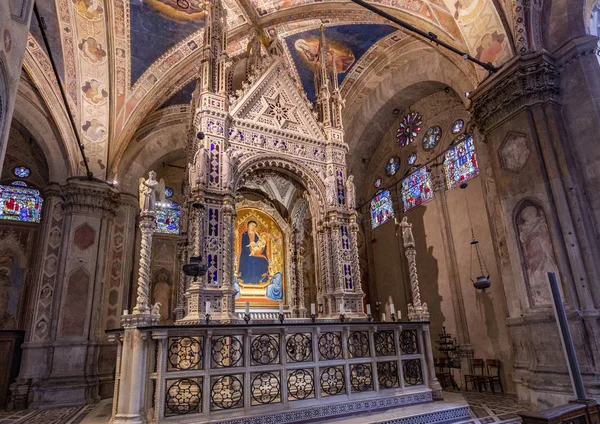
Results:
[131, 374]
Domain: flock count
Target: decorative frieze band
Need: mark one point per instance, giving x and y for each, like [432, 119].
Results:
[89, 197]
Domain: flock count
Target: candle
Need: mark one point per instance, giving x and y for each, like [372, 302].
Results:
[392, 309]
[341, 308]
[126, 312]
[207, 306]
[247, 308]
[382, 317]
[312, 309]
[280, 308]
[368, 309]
[399, 315]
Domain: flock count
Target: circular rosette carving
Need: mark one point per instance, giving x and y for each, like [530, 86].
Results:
[265, 388]
[332, 381]
[301, 384]
[330, 346]
[265, 350]
[299, 347]
[227, 392]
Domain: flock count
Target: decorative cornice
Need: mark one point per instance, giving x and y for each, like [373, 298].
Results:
[89, 197]
[523, 82]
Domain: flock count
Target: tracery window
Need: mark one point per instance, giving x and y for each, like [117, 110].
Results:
[416, 189]
[392, 166]
[409, 128]
[19, 183]
[460, 162]
[377, 183]
[21, 172]
[432, 137]
[381, 208]
[168, 192]
[457, 126]
[167, 218]
[412, 158]
[20, 203]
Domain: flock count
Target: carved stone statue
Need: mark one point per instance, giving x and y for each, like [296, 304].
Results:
[331, 187]
[156, 308]
[148, 192]
[407, 235]
[350, 192]
[275, 44]
[199, 169]
[231, 161]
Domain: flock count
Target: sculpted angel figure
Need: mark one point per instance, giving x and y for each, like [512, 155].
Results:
[350, 192]
[148, 192]
[331, 187]
[198, 170]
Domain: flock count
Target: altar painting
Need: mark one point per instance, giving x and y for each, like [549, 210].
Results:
[259, 259]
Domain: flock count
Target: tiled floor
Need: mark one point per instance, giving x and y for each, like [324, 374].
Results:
[51, 416]
[488, 408]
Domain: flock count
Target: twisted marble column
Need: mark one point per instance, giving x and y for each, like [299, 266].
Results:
[147, 225]
[416, 311]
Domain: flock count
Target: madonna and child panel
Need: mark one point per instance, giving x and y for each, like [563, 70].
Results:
[259, 259]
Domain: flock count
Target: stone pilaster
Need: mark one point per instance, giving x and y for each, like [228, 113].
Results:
[59, 365]
[532, 172]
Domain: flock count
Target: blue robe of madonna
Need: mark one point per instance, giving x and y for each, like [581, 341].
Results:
[253, 269]
[275, 289]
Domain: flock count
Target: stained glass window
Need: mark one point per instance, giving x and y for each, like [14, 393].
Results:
[381, 208]
[409, 128]
[416, 189]
[392, 166]
[20, 203]
[432, 137]
[19, 183]
[22, 172]
[377, 183]
[167, 218]
[460, 163]
[412, 158]
[457, 126]
[168, 192]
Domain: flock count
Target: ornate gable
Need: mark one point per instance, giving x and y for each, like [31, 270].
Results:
[274, 101]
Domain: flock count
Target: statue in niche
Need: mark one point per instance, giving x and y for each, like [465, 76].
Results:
[231, 161]
[407, 234]
[198, 170]
[148, 192]
[350, 192]
[254, 264]
[162, 295]
[538, 252]
[331, 187]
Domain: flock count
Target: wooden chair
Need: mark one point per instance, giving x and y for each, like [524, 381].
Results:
[443, 373]
[493, 374]
[478, 378]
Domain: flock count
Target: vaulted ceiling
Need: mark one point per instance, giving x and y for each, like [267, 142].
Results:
[122, 61]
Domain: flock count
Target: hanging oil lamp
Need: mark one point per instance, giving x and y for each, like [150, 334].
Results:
[478, 274]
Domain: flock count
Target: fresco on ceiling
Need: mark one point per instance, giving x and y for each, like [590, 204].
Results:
[158, 25]
[183, 96]
[47, 11]
[482, 29]
[347, 42]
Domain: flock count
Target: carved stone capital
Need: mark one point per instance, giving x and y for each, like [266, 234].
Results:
[523, 82]
[51, 190]
[89, 197]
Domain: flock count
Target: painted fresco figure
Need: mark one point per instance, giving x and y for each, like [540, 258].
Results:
[254, 265]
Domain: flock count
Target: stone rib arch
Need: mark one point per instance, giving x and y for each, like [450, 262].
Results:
[300, 172]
